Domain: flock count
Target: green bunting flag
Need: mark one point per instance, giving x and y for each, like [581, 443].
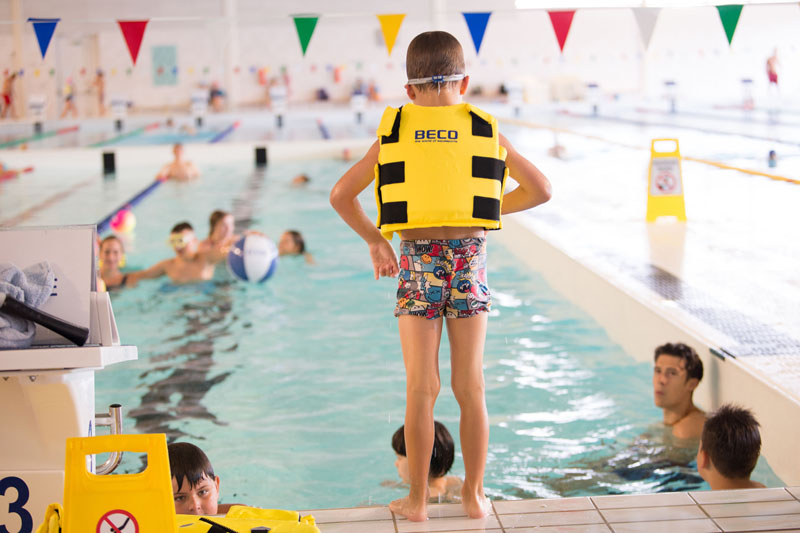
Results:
[305, 29]
[729, 15]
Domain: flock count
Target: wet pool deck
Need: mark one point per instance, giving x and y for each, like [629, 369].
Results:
[775, 509]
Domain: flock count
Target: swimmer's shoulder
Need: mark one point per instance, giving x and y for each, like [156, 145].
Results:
[690, 427]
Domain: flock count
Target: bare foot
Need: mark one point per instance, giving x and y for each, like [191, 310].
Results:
[475, 506]
[415, 513]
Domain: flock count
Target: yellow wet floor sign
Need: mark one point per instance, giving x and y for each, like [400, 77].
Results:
[143, 503]
[665, 182]
[118, 503]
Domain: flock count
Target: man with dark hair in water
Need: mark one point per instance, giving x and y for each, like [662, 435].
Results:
[677, 371]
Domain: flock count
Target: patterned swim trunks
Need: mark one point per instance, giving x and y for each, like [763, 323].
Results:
[443, 278]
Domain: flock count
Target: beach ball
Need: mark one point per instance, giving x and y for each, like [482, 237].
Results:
[253, 258]
[124, 221]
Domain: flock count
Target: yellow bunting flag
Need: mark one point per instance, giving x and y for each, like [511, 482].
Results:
[390, 26]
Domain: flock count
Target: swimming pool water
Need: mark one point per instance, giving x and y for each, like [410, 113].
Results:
[294, 387]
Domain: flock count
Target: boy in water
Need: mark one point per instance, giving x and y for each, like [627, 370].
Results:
[195, 487]
[441, 487]
[729, 449]
[189, 264]
[441, 166]
[179, 169]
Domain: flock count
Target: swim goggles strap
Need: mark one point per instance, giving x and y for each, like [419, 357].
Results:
[438, 80]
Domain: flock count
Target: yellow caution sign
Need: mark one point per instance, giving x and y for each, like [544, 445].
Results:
[664, 181]
[118, 503]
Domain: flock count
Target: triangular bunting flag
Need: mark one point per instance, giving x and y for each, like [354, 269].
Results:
[390, 26]
[133, 31]
[477, 27]
[561, 21]
[646, 18]
[44, 29]
[729, 15]
[305, 29]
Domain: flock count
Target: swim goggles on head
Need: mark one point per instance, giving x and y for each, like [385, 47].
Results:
[178, 241]
[438, 80]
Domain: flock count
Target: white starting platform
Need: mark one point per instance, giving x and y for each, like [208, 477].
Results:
[47, 389]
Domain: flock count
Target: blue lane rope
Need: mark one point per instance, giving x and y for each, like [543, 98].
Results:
[323, 130]
[105, 223]
[224, 133]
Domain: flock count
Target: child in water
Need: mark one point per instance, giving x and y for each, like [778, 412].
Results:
[441, 487]
[441, 168]
[195, 487]
[112, 259]
[221, 233]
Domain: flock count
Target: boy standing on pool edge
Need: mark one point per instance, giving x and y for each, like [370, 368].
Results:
[440, 168]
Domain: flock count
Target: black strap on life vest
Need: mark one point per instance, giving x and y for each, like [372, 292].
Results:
[480, 126]
[394, 213]
[391, 173]
[395, 135]
[485, 208]
[488, 167]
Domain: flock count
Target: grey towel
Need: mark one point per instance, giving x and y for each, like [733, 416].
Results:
[32, 286]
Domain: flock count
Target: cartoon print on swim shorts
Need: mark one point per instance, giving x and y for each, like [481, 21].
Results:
[446, 278]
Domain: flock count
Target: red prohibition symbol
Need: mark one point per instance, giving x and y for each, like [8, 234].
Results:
[117, 521]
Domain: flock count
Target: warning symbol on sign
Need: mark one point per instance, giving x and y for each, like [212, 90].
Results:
[665, 179]
[665, 182]
[117, 521]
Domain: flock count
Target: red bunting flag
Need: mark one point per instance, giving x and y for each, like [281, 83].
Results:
[133, 31]
[561, 20]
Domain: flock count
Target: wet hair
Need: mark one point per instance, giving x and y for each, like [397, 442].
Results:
[112, 238]
[692, 362]
[434, 53]
[214, 219]
[732, 441]
[444, 449]
[297, 239]
[181, 226]
[187, 461]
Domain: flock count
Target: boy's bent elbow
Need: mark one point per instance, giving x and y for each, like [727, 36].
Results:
[335, 197]
[546, 194]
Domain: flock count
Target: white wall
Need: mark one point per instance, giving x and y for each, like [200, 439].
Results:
[688, 46]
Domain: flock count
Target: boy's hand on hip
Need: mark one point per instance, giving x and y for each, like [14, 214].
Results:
[384, 260]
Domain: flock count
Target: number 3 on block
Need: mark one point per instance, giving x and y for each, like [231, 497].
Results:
[16, 507]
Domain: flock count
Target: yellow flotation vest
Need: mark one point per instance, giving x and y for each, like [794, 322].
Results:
[239, 518]
[438, 166]
[243, 519]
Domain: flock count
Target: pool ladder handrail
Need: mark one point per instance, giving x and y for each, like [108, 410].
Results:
[113, 419]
